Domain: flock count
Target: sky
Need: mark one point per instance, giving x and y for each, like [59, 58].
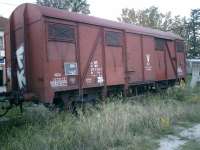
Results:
[111, 9]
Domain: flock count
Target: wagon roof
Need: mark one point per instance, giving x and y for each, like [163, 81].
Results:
[63, 14]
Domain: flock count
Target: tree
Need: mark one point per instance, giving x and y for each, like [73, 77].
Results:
[194, 34]
[179, 25]
[188, 28]
[71, 5]
[151, 17]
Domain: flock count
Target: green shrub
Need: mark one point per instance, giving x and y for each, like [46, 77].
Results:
[177, 93]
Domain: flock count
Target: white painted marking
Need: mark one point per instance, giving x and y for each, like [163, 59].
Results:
[59, 82]
[100, 79]
[179, 71]
[148, 66]
[21, 79]
[57, 74]
[20, 72]
[20, 57]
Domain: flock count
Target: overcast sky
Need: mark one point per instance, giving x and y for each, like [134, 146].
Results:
[111, 9]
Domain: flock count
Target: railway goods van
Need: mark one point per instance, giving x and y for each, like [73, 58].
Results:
[60, 56]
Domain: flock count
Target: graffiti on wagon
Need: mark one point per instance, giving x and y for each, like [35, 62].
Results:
[21, 67]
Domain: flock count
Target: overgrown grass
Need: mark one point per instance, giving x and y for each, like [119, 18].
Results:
[191, 145]
[131, 123]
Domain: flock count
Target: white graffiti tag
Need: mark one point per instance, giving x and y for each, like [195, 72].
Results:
[20, 72]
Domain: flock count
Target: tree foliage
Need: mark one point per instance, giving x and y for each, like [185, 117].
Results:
[188, 28]
[71, 5]
[194, 34]
[151, 17]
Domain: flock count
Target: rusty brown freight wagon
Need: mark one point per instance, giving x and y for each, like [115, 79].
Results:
[55, 55]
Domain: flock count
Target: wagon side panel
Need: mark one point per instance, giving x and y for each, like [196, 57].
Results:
[149, 58]
[134, 61]
[60, 57]
[181, 60]
[171, 61]
[115, 71]
[90, 40]
[160, 65]
[36, 59]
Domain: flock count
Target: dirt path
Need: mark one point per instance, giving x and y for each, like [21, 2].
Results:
[172, 142]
